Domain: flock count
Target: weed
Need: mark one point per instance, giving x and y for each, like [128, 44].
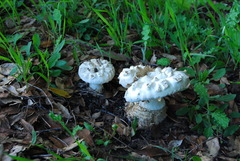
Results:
[11, 8]
[209, 118]
[49, 62]
[118, 27]
[23, 64]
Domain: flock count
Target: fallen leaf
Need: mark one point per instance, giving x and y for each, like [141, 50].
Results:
[28, 127]
[213, 147]
[85, 134]
[46, 44]
[96, 115]
[98, 124]
[169, 56]
[4, 123]
[153, 59]
[57, 142]
[14, 151]
[12, 90]
[10, 101]
[71, 146]
[142, 157]
[64, 111]
[214, 89]
[152, 151]
[174, 143]
[60, 92]
[234, 144]
[7, 68]
[204, 157]
[123, 130]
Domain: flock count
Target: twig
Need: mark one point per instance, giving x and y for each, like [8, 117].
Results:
[43, 94]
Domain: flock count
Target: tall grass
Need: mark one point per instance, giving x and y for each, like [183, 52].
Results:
[11, 8]
[23, 64]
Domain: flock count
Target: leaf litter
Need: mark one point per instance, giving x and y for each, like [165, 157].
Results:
[23, 112]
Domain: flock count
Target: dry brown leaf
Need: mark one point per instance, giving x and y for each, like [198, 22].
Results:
[234, 143]
[82, 102]
[227, 158]
[15, 118]
[3, 92]
[71, 146]
[27, 126]
[60, 92]
[174, 143]
[98, 124]
[12, 90]
[4, 123]
[33, 118]
[14, 151]
[10, 101]
[214, 89]
[22, 89]
[96, 115]
[46, 43]
[153, 59]
[204, 157]
[4, 80]
[142, 157]
[9, 111]
[151, 151]
[50, 123]
[27, 22]
[64, 111]
[85, 134]
[224, 80]
[57, 142]
[7, 68]
[169, 56]
[213, 147]
[69, 140]
[123, 130]
[10, 23]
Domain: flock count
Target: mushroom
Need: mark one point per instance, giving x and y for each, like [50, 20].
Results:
[130, 75]
[96, 72]
[144, 96]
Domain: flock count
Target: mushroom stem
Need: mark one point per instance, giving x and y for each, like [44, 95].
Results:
[96, 87]
[148, 112]
[153, 104]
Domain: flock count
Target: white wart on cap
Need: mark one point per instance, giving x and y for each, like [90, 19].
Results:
[96, 72]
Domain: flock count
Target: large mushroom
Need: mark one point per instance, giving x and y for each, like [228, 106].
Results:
[96, 72]
[144, 96]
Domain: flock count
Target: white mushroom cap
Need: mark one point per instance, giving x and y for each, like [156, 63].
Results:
[96, 72]
[157, 84]
[130, 75]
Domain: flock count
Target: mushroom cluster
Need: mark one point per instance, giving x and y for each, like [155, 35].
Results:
[96, 72]
[147, 86]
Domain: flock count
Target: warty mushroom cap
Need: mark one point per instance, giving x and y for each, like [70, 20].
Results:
[157, 84]
[132, 74]
[96, 71]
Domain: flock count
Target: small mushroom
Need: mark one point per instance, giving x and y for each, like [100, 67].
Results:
[144, 96]
[96, 72]
[130, 75]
